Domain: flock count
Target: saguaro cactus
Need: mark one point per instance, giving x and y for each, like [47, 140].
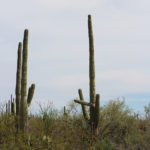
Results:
[65, 112]
[93, 118]
[21, 85]
[8, 106]
[6, 109]
[12, 107]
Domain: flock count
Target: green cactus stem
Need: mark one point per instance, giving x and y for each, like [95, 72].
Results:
[18, 78]
[24, 106]
[84, 103]
[12, 107]
[84, 110]
[6, 109]
[65, 113]
[97, 110]
[30, 94]
[91, 69]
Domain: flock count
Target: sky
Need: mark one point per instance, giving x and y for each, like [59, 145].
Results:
[58, 57]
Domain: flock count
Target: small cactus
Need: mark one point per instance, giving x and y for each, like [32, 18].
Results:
[6, 109]
[12, 107]
[8, 106]
[65, 113]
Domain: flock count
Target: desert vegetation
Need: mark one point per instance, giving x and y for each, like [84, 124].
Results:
[113, 126]
[119, 129]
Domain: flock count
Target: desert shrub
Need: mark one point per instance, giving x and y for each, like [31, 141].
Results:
[119, 126]
[49, 115]
[114, 120]
[52, 130]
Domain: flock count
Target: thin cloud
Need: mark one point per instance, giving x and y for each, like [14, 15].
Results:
[124, 81]
[70, 81]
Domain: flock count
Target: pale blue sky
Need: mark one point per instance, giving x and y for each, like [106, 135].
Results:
[58, 48]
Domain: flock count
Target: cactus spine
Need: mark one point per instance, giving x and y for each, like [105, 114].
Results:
[93, 118]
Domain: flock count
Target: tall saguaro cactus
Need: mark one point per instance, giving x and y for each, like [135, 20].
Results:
[22, 101]
[93, 117]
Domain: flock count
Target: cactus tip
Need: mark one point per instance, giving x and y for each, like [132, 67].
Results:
[26, 32]
[89, 16]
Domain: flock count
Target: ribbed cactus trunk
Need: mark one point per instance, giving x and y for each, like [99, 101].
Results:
[23, 104]
[18, 78]
[91, 69]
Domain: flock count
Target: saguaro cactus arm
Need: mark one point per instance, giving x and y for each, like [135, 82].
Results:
[84, 110]
[83, 103]
[97, 110]
[18, 78]
[30, 94]
[12, 107]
